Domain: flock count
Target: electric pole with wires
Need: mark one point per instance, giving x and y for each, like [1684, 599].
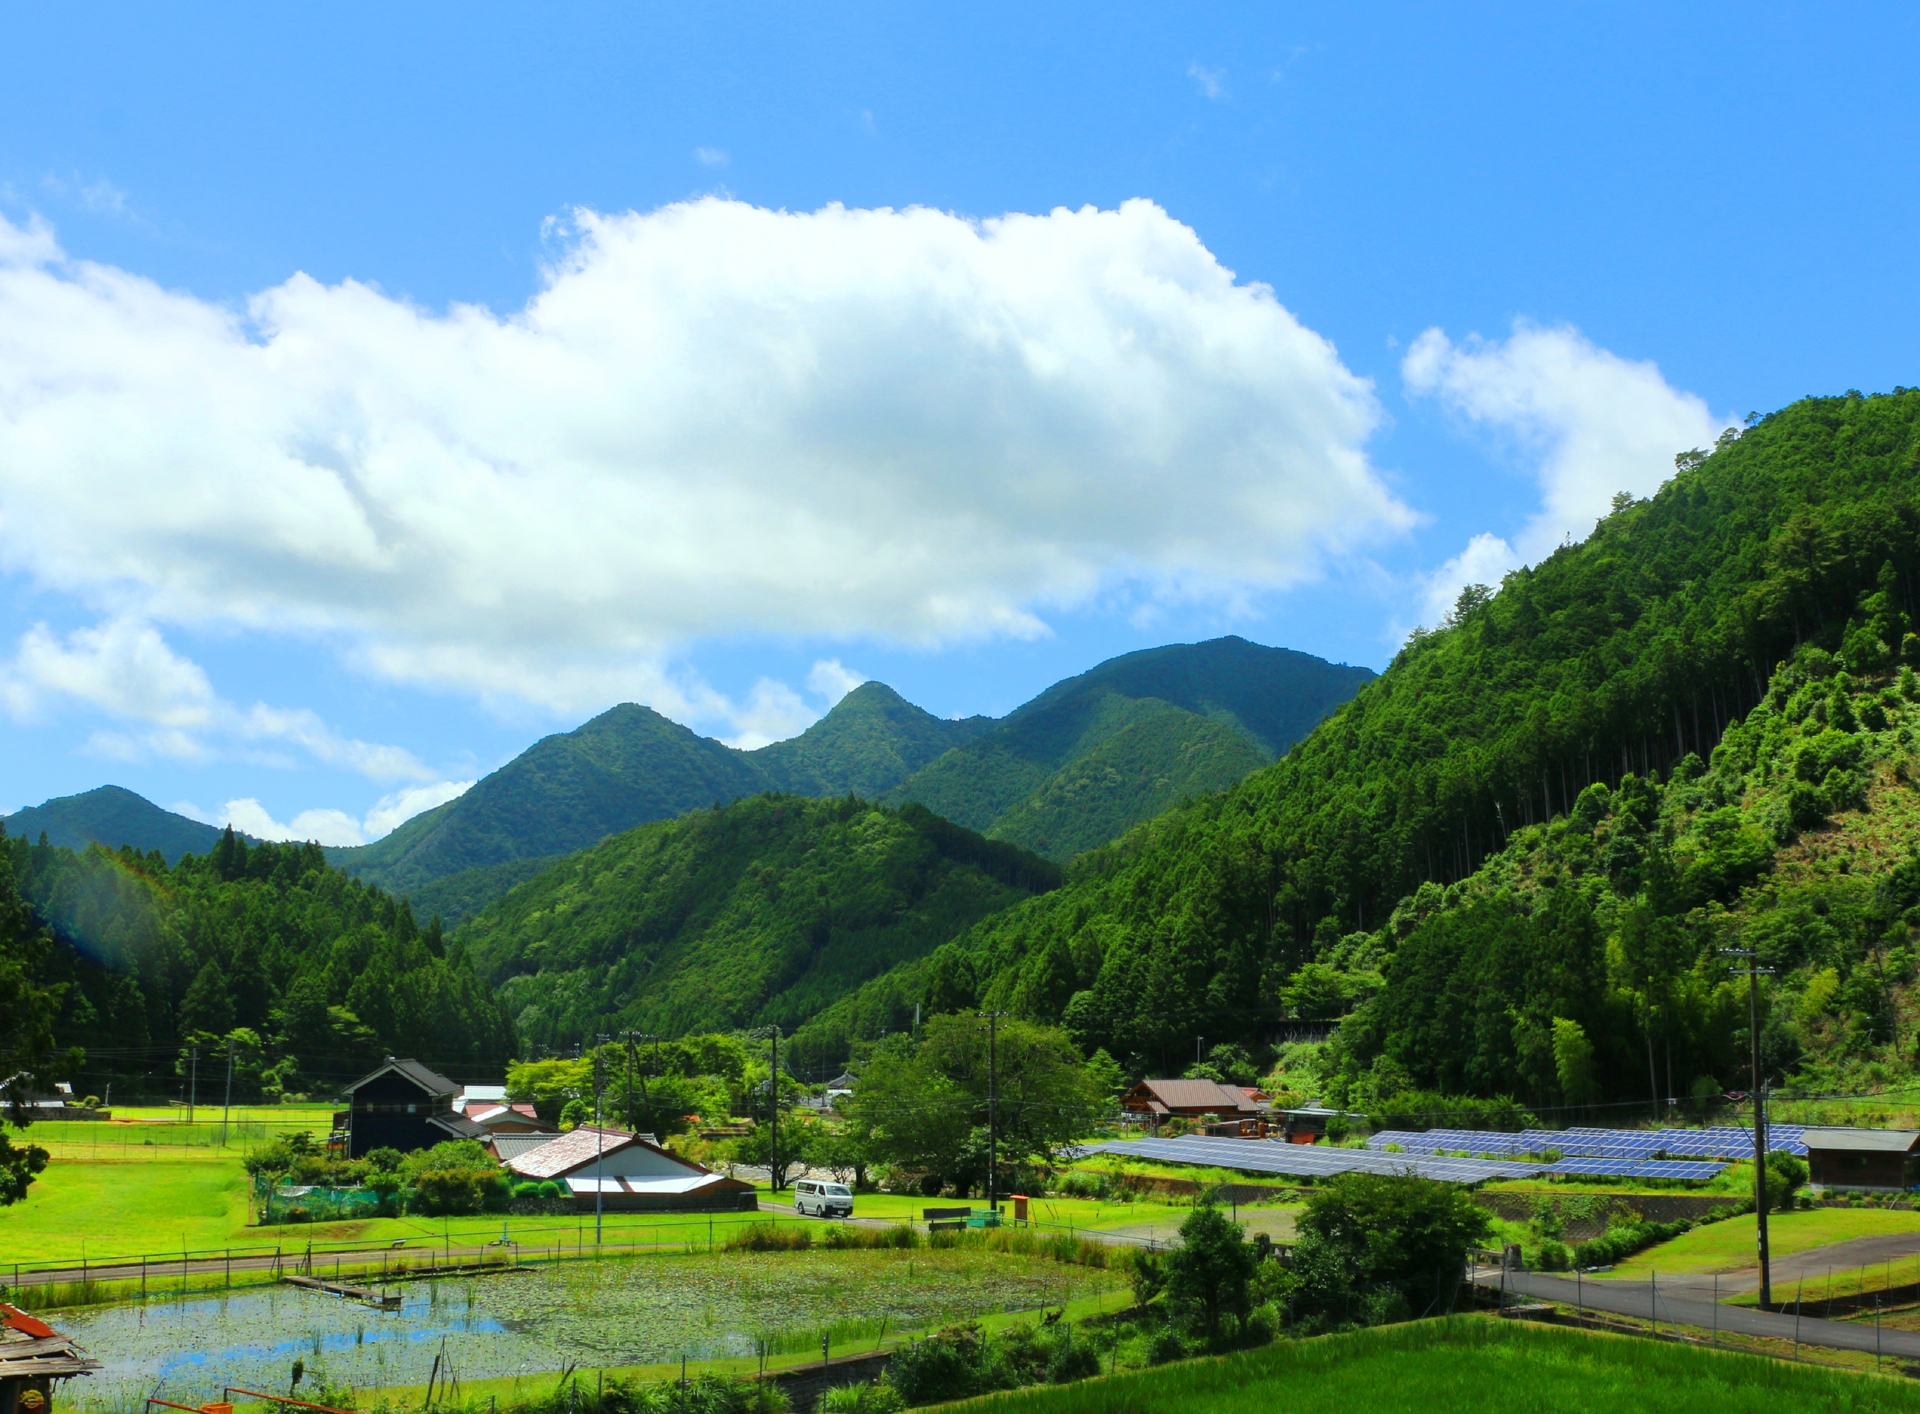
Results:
[600, 1130]
[1754, 972]
[992, 1018]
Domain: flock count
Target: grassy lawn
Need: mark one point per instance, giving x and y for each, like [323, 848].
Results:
[1728, 1246]
[97, 1203]
[1470, 1364]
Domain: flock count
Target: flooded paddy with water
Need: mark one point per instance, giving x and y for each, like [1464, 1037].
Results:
[541, 1319]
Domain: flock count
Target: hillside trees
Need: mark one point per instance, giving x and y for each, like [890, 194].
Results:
[1611, 661]
[923, 1105]
[305, 975]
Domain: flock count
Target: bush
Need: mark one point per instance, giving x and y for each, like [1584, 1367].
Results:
[1621, 1242]
[771, 1237]
[1552, 1256]
[940, 1368]
[1207, 1275]
[839, 1237]
[1164, 1345]
[876, 1398]
[1072, 1360]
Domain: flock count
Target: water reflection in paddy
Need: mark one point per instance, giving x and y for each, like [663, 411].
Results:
[635, 1311]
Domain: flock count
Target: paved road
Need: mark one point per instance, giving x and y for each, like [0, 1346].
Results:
[1624, 1298]
[1813, 1266]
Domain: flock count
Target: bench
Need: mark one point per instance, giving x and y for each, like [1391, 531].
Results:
[943, 1214]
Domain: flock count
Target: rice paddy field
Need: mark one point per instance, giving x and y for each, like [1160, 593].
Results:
[1474, 1365]
[612, 1314]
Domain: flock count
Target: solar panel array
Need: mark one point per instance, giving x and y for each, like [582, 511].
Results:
[1635, 1168]
[1309, 1160]
[1631, 1145]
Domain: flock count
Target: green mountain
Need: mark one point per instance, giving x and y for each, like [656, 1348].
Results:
[871, 741]
[563, 793]
[1097, 754]
[305, 976]
[1620, 656]
[112, 817]
[1589, 946]
[1075, 767]
[762, 911]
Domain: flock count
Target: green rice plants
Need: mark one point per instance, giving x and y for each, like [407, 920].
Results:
[879, 1397]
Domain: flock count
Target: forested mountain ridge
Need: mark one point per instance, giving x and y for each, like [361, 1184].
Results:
[111, 816]
[1076, 766]
[312, 975]
[1584, 961]
[762, 911]
[1096, 754]
[1617, 656]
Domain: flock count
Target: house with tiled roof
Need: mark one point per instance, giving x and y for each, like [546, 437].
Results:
[1237, 1105]
[626, 1172]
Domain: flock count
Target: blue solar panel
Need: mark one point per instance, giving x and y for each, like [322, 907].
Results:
[1310, 1160]
[1725, 1142]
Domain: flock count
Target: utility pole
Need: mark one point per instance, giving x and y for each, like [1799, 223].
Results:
[1754, 973]
[1653, 1076]
[993, 1109]
[599, 1131]
[776, 1177]
[193, 1079]
[227, 1107]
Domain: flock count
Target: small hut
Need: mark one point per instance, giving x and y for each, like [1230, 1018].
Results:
[33, 1358]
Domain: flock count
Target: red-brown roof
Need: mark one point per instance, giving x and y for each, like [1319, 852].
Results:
[1194, 1096]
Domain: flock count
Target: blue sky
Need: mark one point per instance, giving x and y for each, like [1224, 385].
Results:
[336, 548]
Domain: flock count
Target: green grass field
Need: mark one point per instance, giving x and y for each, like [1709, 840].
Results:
[1728, 1246]
[1476, 1365]
[102, 1201]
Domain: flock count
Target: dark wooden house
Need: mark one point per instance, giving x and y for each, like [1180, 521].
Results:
[405, 1106]
[1863, 1158]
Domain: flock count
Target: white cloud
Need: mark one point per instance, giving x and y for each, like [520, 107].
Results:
[712, 419]
[125, 669]
[833, 680]
[772, 712]
[1593, 423]
[327, 826]
[1213, 82]
[710, 156]
[1486, 560]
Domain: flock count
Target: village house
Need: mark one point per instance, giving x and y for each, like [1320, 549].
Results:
[1232, 1109]
[625, 1172]
[403, 1105]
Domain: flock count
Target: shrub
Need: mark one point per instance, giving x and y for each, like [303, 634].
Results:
[940, 1368]
[840, 1236]
[770, 1237]
[876, 1398]
[1164, 1345]
[1072, 1360]
[1552, 1256]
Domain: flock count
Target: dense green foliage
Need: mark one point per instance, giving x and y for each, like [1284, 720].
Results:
[306, 976]
[1098, 753]
[1480, 1364]
[1374, 1248]
[1613, 658]
[922, 1105]
[763, 911]
[111, 816]
[1584, 960]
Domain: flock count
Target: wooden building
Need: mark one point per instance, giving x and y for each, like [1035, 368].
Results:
[1863, 1158]
[1235, 1109]
[402, 1105]
[34, 1357]
[627, 1173]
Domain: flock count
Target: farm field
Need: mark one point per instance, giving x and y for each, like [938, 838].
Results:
[1728, 1246]
[1476, 1364]
[613, 1315]
[87, 1207]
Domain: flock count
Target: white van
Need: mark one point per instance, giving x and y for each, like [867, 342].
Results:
[811, 1197]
